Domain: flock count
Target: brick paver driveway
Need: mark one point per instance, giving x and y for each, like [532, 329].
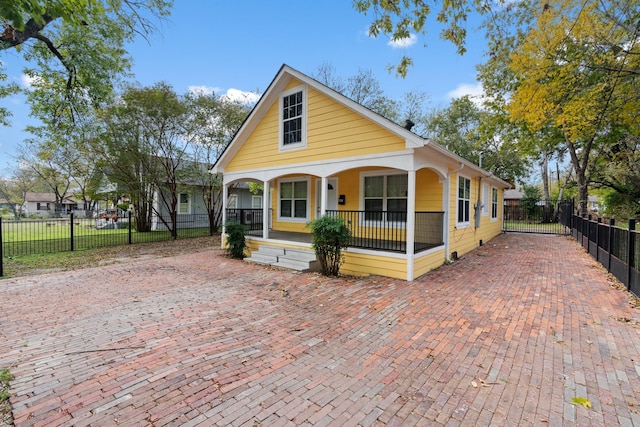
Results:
[508, 335]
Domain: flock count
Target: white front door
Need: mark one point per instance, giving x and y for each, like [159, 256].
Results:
[332, 195]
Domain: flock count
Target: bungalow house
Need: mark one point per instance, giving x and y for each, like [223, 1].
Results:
[44, 204]
[411, 204]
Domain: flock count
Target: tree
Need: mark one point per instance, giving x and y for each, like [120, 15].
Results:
[81, 40]
[365, 89]
[14, 189]
[212, 122]
[399, 19]
[142, 151]
[568, 68]
[473, 134]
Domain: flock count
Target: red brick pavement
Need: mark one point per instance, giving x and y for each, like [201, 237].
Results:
[508, 335]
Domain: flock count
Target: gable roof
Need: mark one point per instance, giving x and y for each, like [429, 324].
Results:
[282, 78]
[45, 197]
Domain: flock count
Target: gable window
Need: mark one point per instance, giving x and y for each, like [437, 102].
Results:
[494, 203]
[294, 200]
[293, 119]
[184, 203]
[385, 193]
[464, 200]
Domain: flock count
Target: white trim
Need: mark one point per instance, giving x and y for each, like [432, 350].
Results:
[485, 199]
[303, 143]
[383, 173]
[180, 204]
[464, 224]
[307, 218]
[495, 218]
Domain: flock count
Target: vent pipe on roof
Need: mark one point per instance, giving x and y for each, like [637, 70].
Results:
[408, 124]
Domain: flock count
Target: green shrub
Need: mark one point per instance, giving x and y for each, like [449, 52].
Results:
[330, 235]
[236, 241]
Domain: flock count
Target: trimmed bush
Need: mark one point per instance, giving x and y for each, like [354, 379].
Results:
[236, 241]
[330, 235]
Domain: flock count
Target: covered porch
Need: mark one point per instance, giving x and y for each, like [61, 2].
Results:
[372, 230]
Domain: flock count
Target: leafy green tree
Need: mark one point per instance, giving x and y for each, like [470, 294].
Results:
[398, 19]
[78, 44]
[212, 121]
[568, 68]
[142, 151]
[463, 128]
[14, 189]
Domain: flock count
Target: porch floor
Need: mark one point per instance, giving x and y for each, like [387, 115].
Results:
[387, 246]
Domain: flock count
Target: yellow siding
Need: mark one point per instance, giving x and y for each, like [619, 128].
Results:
[333, 131]
[464, 240]
[424, 263]
[358, 264]
[428, 191]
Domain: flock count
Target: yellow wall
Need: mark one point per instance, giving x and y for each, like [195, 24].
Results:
[463, 240]
[333, 131]
[424, 263]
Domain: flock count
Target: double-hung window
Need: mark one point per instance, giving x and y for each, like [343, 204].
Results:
[385, 193]
[464, 201]
[494, 203]
[293, 119]
[294, 200]
[184, 203]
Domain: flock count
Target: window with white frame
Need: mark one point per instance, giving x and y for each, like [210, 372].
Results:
[184, 203]
[385, 193]
[293, 121]
[256, 202]
[494, 203]
[294, 200]
[232, 201]
[485, 200]
[464, 200]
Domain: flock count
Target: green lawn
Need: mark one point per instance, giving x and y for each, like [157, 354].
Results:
[48, 236]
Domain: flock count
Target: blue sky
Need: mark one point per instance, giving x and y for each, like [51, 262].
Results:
[238, 46]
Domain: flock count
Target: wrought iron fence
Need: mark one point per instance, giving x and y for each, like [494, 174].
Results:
[537, 216]
[386, 230]
[616, 248]
[42, 236]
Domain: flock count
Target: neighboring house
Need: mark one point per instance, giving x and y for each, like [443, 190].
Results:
[410, 203]
[593, 204]
[44, 204]
[512, 197]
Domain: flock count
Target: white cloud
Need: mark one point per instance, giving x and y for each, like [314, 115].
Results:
[205, 90]
[401, 43]
[474, 91]
[241, 96]
[27, 81]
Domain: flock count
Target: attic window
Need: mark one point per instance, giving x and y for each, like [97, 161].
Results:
[293, 121]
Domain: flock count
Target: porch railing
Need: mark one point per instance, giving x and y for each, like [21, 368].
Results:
[386, 230]
[252, 218]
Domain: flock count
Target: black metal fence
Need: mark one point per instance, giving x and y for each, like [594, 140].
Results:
[42, 236]
[537, 216]
[614, 247]
[386, 230]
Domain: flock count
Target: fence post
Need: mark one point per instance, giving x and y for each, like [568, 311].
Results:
[612, 223]
[631, 250]
[1, 254]
[71, 228]
[598, 239]
[129, 213]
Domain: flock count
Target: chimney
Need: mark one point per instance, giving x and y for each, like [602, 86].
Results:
[408, 124]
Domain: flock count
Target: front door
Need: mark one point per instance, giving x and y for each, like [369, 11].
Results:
[332, 195]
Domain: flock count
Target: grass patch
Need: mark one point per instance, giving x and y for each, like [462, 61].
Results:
[6, 417]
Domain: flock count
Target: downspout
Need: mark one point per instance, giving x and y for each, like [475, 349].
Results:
[447, 211]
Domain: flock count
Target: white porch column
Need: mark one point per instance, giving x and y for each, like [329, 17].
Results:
[323, 195]
[266, 200]
[225, 195]
[411, 223]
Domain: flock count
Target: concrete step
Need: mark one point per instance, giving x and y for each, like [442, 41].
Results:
[267, 255]
[292, 259]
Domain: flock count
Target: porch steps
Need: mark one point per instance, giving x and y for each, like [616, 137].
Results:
[292, 259]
